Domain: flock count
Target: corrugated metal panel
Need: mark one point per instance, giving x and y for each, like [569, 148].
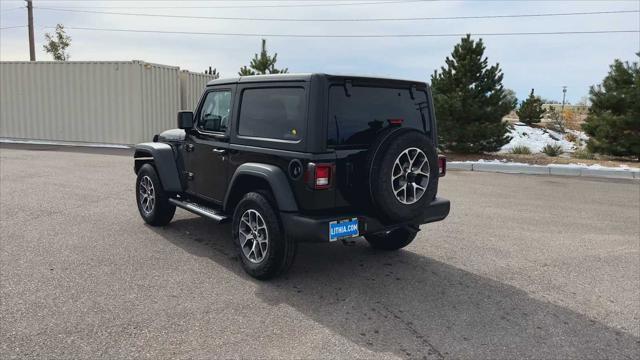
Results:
[192, 84]
[160, 97]
[102, 102]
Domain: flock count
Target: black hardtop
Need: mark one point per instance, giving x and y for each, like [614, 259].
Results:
[308, 76]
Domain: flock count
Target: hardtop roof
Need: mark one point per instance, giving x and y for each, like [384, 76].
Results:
[302, 77]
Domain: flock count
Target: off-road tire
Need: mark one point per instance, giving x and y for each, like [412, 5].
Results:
[162, 211]
[281, 250]
[380, 161]
[392, 240]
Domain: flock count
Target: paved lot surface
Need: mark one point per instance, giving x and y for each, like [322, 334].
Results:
[524, 267]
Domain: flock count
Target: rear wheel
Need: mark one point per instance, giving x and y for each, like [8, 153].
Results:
[153, 202]
[264, 249]
[391, 240]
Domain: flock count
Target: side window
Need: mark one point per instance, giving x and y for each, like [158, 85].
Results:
[273, 113]
[214, 114]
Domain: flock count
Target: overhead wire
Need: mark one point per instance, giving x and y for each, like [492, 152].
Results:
[353, 35]
[239, 18]
[13, 27]
[251, 6]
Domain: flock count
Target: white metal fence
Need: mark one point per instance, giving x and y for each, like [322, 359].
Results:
[100, 102]
[191, 86]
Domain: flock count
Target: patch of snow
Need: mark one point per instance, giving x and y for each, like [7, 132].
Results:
[536, 139]
[622, 167]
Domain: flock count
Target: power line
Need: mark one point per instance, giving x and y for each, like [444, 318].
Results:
[214, 1]
[345, 20]
[252, 6]
[13, 27]
[352, 36]
[15, 8]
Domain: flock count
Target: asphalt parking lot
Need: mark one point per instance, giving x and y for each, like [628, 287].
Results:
[524, 267]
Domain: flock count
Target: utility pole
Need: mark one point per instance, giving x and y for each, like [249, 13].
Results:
[564, 95]
[32, 45]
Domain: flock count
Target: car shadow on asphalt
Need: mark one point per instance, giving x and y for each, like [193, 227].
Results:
[412, 306]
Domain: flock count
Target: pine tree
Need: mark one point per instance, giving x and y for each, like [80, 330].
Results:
[531, 110]
[262, 64]
[613, 122]
[470, 101]
[213, 72]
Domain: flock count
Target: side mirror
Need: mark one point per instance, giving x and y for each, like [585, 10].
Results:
[185, 120]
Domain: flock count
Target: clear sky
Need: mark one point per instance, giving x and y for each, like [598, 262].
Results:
[543, 62]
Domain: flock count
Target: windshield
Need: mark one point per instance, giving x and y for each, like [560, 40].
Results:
[357, 118]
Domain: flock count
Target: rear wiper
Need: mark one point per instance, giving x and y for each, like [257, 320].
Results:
[347, 88]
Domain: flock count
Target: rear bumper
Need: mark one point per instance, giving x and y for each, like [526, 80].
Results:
[305, 228]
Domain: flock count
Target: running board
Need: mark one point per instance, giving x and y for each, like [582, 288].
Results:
[201, 210]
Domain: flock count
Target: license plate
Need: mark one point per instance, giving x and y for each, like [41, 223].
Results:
[341, 229]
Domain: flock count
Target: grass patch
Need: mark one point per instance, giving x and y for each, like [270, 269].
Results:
[553, 150]
[520, 150]
[583, 154]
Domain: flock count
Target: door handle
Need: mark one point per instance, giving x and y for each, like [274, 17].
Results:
[220, 151]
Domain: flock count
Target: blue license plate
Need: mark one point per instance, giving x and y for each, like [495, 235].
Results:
[343, 229]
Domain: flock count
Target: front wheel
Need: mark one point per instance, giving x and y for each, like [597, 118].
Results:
[153, 202]
[391, 240]
[265, 250]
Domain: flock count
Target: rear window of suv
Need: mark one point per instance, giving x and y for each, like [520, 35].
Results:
[355, 120]
[272, 113]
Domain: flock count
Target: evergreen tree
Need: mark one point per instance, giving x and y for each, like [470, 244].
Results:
[262, 64]
[213, 72]
[613, 122]
[531, 110]
[470, 100]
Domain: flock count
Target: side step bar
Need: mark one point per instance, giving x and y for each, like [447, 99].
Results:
[201, 210]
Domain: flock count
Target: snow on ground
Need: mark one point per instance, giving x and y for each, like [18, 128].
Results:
[622, 167]
[535, 139]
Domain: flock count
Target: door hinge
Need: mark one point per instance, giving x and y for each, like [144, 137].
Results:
[189, 147]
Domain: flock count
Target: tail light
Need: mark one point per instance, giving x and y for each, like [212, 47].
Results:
[442, 165]
[318, 176]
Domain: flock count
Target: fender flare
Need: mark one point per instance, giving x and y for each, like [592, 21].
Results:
[164, 161]
[276, 179]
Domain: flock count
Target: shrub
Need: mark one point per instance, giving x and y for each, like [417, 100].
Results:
[553, 150]
[571, 137]
[583, 154]
[557, 122]
[521, 150]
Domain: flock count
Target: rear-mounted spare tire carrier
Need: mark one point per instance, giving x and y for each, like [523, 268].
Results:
[384, 153]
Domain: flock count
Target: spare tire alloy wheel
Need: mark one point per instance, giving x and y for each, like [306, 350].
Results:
[403, 175]
[410, 176]
[147, 195]
[254, 236]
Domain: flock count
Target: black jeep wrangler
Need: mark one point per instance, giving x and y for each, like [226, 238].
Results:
[291, 158]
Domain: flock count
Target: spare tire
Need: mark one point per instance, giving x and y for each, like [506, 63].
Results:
[403, 173]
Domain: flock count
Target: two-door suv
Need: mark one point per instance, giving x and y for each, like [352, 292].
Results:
[299, 158]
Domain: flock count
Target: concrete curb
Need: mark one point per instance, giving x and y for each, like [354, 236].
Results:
[510, 168]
